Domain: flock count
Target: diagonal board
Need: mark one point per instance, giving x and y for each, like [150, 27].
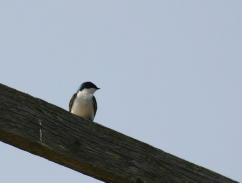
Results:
[46, 130]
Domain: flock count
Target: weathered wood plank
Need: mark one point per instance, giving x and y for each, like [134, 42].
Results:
[46, 130]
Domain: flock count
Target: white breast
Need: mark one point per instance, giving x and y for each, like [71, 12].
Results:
[83, 106]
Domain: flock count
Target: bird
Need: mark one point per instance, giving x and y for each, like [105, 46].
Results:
[83, 103]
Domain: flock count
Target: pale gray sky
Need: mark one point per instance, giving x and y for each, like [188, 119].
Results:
[170, 73]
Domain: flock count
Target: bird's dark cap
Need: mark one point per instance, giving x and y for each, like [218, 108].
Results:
[87, 85]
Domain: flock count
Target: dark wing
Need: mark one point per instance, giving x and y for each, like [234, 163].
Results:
[71, 102]
[94, 105]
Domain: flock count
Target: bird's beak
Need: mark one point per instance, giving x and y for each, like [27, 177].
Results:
[98, 88]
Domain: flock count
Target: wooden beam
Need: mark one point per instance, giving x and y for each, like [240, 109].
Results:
[48, 131]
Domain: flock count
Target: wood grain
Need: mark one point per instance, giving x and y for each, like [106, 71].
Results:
[48, 131]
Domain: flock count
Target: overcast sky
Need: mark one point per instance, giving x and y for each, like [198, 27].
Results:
[170, 73]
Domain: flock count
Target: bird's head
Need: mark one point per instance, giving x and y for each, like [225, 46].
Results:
[88, 87]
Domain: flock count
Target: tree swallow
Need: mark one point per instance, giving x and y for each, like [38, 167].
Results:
[83, 103]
